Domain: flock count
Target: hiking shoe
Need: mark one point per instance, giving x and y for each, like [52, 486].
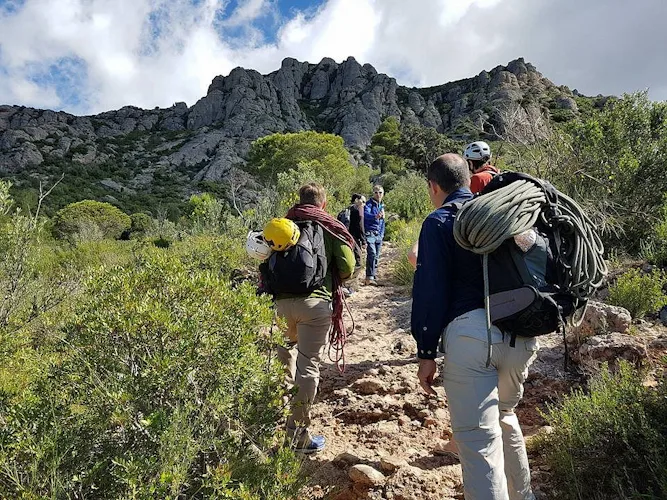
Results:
[370, 281]
[447, 448]
[348, 292]
[316, 445]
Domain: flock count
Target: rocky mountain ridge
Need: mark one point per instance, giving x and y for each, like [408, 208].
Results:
[132, 150]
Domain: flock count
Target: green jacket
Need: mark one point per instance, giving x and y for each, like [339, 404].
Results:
[338, 252]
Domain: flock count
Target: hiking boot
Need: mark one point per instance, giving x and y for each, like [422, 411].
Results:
[316, 445]
[370, 281]
[447, 448]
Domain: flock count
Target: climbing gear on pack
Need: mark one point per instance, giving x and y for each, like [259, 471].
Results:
[281, 233]
[534, 292]
[302, 267]
[478, 150]
[256, 247]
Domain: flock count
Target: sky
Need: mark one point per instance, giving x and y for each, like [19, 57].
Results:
[89, 56]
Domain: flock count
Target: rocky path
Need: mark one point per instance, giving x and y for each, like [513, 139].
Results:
[375, 414]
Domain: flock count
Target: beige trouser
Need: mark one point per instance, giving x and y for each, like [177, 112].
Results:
[308, 322]
[481, 404]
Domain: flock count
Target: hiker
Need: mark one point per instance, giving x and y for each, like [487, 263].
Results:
[357, 227]
[309, 315]
[353, 218]
[448, 299]
[374, 231]
[478, 157]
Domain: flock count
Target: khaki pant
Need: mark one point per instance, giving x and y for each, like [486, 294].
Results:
[481, 404]
[308, 322]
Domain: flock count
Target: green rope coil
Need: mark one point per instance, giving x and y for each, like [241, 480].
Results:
[484, 223]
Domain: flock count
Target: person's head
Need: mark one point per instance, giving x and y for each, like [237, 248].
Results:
[358, 199]
[313, 194]
[446, 174]
[378, 192]
[477, 154]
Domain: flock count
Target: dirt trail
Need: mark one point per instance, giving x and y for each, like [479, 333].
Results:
[375, 411]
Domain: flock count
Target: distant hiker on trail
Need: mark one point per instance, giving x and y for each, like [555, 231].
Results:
[305, 274]
[374, 224]
[353, 218]
[448, 299]
[478, 156]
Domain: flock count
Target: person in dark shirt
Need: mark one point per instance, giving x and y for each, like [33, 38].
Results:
[357, 227]
[448, 299]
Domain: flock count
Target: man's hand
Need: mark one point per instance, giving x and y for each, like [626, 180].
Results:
[426, 373]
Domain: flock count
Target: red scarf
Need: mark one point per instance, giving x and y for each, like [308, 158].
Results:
[338, 230]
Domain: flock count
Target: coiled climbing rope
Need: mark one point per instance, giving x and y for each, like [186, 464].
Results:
[484, 223]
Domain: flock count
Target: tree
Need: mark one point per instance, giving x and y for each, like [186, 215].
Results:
[90, 217]
[289, 160]
[384, 146]
[421, 145]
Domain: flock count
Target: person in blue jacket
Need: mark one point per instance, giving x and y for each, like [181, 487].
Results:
[448, 302]
[374, 230]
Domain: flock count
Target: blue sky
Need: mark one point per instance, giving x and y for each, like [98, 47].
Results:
[87, 56]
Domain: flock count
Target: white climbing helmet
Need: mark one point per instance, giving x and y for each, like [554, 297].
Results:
[478, 150]
[256, 247]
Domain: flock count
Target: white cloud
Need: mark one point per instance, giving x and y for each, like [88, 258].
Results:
[155, 52]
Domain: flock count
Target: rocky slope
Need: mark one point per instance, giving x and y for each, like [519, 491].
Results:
[132, 150]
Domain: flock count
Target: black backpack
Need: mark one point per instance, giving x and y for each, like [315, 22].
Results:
[531, 292]
[344, 216]
[301, 268]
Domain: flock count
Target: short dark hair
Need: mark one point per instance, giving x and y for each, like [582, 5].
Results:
[312, 194]
[450, 172]
[479, 163]
[355, 197]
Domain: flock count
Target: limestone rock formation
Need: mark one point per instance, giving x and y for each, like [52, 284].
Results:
[209, 140]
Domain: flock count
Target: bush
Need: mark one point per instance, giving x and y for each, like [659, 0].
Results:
[409, 197]
[160, 385]
[610, 443]
[639, 292]
[394, 228]
[91, 219]
[402, 271]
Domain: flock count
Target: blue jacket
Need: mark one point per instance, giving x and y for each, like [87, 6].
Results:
[371, 224]
[448, 281]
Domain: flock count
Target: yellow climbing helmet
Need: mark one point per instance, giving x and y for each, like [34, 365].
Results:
[281, 234]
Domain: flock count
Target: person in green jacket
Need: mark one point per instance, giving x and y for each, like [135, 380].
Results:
[310, 317]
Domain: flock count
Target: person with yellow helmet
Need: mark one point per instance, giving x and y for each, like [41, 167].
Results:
[312, 255]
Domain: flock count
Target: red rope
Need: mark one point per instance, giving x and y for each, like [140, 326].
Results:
[338, 333]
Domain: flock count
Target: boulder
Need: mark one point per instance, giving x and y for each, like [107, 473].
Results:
[366, 475]
[392, 464]
[599, 319]
[369, 385]
[609, 348]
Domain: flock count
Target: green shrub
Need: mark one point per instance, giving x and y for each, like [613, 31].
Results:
[610, 443]
[90, 219]
[639, 292]
[394, 228]
[140, 223]
[409, 197]
[402, 270]
[159, 386]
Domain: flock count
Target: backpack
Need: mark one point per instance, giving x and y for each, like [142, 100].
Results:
[533, 285]
[301, 268]
[344, 216]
